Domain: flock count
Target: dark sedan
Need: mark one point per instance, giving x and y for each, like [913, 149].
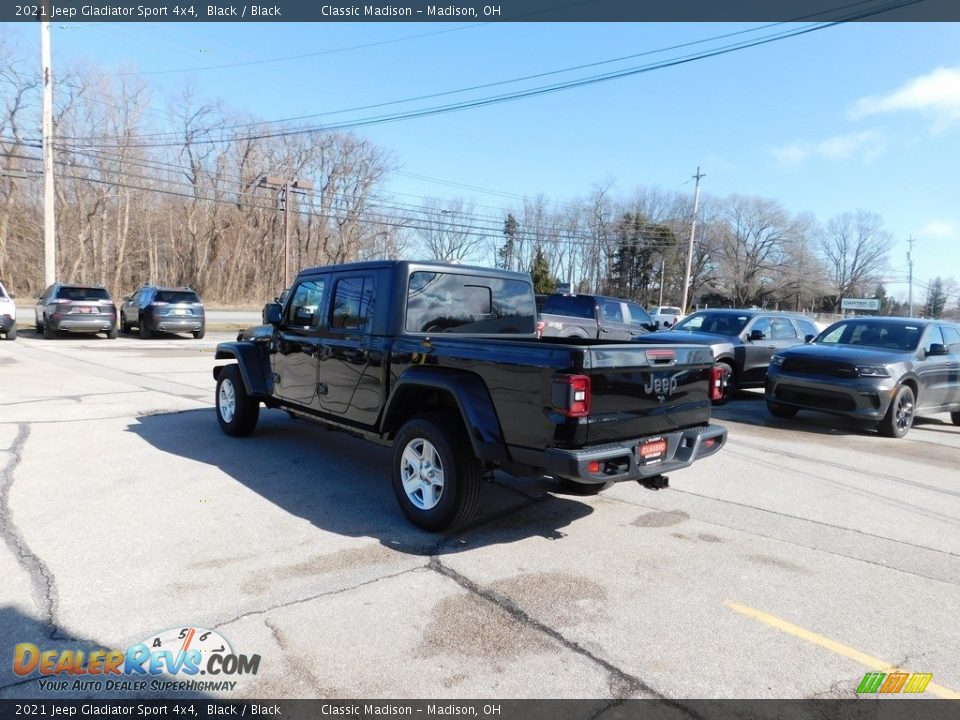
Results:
[742, 341]
[884, 370]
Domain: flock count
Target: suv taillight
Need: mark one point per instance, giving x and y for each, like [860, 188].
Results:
[571, 395]
[716, 382]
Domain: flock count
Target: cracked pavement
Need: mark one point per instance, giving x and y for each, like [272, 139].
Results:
[125, 511]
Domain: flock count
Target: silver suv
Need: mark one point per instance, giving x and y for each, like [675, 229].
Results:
[73, 307]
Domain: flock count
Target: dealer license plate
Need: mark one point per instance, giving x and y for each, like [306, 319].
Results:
[651, 451]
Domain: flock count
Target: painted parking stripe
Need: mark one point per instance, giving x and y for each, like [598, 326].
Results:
[834, 646]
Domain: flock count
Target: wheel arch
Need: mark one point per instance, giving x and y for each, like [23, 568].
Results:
[419, 390]
[254, 366]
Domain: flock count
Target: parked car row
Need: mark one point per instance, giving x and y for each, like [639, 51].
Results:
[883, 370]
[85, 308]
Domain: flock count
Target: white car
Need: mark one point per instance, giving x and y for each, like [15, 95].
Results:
[665, 316]
[8, 315]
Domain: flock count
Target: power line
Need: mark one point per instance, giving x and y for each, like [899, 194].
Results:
[532, 92]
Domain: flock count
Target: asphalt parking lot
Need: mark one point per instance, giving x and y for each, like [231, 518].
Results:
[802, 556]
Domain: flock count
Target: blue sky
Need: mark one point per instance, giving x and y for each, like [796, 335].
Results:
[858, 116]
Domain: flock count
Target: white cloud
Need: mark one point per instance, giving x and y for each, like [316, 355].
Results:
[866, 145]
[937, 93]
[940, 229]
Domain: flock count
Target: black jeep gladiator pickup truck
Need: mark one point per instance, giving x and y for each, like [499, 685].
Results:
[442, 361]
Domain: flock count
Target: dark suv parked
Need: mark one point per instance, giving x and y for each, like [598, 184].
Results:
[880, 369]
[159, 309]
[73, 307]
[743, 341]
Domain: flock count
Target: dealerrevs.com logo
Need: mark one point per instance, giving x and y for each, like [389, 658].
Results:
[178, 659]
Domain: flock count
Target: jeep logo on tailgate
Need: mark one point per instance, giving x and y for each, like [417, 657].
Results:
[661, 386]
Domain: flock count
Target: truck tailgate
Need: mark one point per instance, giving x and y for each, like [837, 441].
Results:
[639, 391]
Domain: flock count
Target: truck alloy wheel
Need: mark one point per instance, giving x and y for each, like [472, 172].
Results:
[237, 412]
[421, 472]
[436, 476]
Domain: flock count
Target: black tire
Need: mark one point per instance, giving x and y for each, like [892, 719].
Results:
[728, 383]
[12, 333]
[198, 334]
[459, 468]
[899, 418]
[48, 332]
[112, 333]
[780, 410]
[955, 418]
[570, 487]
[39, 327]
[237, 412]
[144, 330]
[124, 326]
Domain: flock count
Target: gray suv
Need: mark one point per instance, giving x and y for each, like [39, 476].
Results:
[75, 307]
[154, 309]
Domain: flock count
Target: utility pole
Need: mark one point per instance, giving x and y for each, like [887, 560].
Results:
[49, 218]
[663, 269]
[286, 185]
[693, 230]
[910, 242]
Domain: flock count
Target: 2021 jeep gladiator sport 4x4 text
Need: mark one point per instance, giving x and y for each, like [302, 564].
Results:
[442, 361]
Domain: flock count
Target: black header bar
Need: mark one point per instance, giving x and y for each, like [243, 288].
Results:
[481, 11]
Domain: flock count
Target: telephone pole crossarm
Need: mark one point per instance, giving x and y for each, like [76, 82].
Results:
[284, 184]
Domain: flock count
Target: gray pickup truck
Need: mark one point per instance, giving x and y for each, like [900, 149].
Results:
[593, 316]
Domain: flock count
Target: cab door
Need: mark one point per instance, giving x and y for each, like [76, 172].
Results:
[759, 347]
[951, 337]
[350, 385]
[295, 359]
[933, 370]
[613, 320]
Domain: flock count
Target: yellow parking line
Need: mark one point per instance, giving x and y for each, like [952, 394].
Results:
[834, 646]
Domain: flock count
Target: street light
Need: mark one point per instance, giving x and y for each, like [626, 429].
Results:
[277, 182]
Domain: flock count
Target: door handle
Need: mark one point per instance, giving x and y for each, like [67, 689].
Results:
[603, 329]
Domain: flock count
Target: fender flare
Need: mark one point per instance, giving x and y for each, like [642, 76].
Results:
[254, 365]
[473, 401]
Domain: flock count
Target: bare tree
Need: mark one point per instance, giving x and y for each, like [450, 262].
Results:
[855, 248]
[449, 231]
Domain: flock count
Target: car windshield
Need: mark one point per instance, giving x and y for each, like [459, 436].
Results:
[176, 296]
[714, 323]
[82, 293]
[869, 333]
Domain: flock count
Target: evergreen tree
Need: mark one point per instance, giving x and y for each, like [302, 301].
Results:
[505, 254]
[936, 298]
[543, 281]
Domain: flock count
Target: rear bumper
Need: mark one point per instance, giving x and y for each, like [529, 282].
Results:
[78, 324]
[618, 461]
[175, 323]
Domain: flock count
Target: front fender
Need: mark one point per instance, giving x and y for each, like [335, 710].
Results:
[471, 396]
[254, 362]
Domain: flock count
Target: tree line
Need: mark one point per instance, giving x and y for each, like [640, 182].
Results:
[174, 196]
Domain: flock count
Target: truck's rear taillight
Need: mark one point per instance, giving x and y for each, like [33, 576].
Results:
[716, 382]
[571, 395]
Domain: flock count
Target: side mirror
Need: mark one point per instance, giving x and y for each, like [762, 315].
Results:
[757, 335]
[937, 349]
[808, 338]
[273, 313]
